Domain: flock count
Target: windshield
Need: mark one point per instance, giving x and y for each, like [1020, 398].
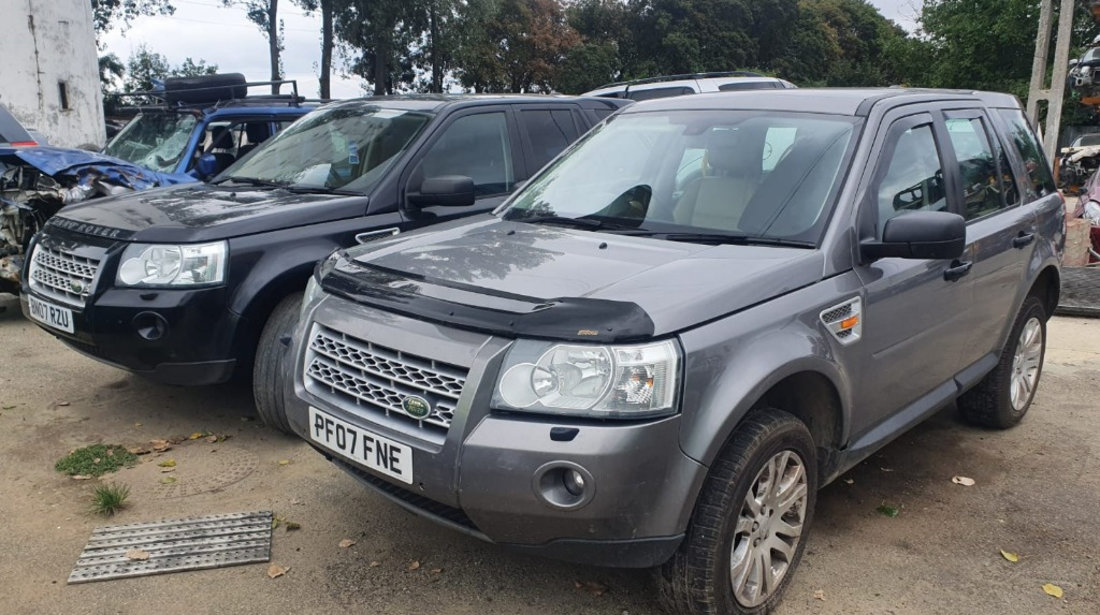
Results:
[347, 147]
[740, 173]
[155, 141]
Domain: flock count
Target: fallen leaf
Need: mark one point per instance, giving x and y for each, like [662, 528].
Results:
[1012, 557]
[850, 481]
[167, 480]
[137, 554]
[295, 502]
[437, 570]
[592, 587]
[96, 460]
[7, 408]
[291, 526]
[1051, 589]
[137, 424]
[161, 445]
[415, 565]
[63, 403]
[82, 477]
[284, 462]
[963, 480]
[345, 543]
[819, 594]
[274, 571]
[110, 452]
[167, 463]
[211, 439]
[196, 435]
[889, 511]
[167, 470]
[375, 564]
[138, 450]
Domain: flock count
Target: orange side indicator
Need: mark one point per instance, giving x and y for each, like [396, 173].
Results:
[849, 322]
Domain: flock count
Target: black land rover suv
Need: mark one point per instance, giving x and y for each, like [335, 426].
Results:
[189, 284]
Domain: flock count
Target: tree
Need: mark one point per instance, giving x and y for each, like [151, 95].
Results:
[107, 13]
[145, 69]
[604, 28]
[514, 45]
[378, 37]
[265, 14]
[327, 8]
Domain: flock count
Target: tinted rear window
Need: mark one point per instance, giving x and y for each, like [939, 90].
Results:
[658, 93]
[750, 85]
[1040, 181]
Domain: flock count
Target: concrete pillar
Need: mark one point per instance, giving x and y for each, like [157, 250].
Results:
[1055, 92]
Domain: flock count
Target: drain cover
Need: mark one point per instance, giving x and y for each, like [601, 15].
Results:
[192, 543]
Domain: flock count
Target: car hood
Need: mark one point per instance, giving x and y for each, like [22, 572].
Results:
[201, 212]
[511, 267]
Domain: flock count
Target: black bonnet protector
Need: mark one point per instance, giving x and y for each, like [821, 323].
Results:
[470, 307]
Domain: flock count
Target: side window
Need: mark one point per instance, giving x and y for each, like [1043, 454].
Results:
[476, 146]
[549, 131]
[651, 93]
[982, 189]
[776, 143]
[1040, 181]
[913, 178]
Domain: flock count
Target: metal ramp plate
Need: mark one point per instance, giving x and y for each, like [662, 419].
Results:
[1080, 292]
[192, 543]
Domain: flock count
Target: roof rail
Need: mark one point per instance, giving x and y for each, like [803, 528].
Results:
[662, 78]
[162, 94]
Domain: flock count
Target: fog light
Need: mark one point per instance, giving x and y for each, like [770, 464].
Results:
[574, 482]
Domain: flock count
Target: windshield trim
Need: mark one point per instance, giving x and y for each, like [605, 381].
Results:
[817, 232]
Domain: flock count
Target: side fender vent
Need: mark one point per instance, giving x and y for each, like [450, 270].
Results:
[845, 321]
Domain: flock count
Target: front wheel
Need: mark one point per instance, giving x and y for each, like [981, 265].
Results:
[1004, 396]
[270, 368]
[748, 530]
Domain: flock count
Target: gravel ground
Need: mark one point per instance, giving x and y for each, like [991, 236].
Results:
[1036, 494]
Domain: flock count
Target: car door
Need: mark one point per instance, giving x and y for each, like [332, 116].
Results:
[1000, 232]
[479, 143]
[915, 310]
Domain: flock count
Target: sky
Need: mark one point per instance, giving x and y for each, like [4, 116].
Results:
[206, 30]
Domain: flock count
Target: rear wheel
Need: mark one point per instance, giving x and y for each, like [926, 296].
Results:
[747, 533]
[272, 357]
[1004, 396]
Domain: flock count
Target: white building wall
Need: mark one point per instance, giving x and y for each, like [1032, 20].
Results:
[47, 45]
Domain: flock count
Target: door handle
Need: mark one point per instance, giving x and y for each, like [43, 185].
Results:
[957, 270]
[1023, 239]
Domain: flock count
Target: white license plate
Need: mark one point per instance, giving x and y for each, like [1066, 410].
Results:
[51, 315]
[367, 448]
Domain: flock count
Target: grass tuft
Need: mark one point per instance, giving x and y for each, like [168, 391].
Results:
[95, 460]
[109, 499]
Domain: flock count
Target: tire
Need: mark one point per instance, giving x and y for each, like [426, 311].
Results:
[270, 363]
[993, 402]
[697, 580]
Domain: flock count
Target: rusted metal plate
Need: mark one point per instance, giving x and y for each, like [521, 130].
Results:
[1080, 292]
[191, 543]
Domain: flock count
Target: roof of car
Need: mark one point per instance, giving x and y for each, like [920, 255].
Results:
[840, 101]
[437, 102]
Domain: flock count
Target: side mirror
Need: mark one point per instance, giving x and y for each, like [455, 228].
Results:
[1073, 63]
[920, 234]
[445, 190]
[206, 166]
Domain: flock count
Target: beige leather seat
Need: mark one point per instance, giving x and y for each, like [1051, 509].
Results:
[718, 199]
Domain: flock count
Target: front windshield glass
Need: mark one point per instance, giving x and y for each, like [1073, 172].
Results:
[347, 147]
[154, 140]
[736, 173]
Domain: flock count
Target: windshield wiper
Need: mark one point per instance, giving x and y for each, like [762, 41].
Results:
[720, 238]
[320, 190]
[251, 181]
[585, 223]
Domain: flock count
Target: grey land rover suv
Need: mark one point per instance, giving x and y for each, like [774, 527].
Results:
[658, 350]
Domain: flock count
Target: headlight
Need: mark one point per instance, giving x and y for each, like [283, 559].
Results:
[592, 381]
[166, 265]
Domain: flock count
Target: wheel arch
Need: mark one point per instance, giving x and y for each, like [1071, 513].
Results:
[1047, 287]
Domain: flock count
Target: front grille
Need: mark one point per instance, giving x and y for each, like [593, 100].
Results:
[380, 380]
[61, 275]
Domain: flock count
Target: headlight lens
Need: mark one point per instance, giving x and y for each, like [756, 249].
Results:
[168, 265]
[593, 381]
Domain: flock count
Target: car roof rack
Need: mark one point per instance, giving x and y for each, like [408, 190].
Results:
[663, 78]
[161, 97]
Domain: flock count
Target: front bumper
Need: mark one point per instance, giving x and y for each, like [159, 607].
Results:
[491, 474]
[173, 336]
